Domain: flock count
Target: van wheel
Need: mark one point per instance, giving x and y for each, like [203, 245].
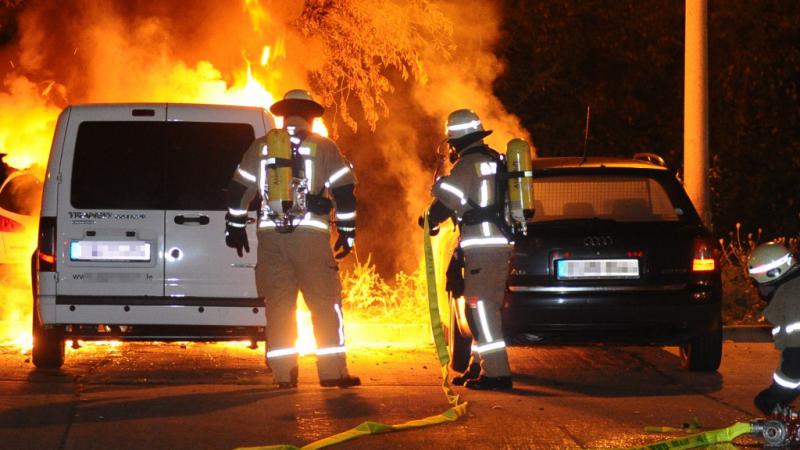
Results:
[458, 347]
[48, 345]
[703, 353]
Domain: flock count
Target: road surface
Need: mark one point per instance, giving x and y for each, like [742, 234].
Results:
[220, 396]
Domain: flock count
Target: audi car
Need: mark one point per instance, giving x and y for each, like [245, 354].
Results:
[615, 253]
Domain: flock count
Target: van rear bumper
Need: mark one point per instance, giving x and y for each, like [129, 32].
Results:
[190, 311]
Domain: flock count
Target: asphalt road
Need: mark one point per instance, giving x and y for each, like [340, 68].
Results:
[214, 396]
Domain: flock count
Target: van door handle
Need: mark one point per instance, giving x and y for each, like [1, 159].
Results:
[200, 220]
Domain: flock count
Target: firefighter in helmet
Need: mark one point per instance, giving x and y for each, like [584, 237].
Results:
[472, 194]
[775, 271]
[301, 178]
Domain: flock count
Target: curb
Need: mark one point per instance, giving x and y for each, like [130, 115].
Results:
[747, 333]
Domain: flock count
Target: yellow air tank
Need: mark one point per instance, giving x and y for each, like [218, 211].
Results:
[279, 170]
[520, 180]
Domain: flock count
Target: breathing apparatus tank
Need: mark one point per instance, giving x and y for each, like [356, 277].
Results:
[279, 171]
[286, 192]
[520, 182]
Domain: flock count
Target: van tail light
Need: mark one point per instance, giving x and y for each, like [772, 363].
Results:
[47, 244]
[705, 255]
[9, 225]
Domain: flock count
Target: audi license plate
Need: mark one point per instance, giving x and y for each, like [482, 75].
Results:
[122, 251]
[583, 269]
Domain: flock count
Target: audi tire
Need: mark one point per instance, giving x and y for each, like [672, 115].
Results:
[703, 353]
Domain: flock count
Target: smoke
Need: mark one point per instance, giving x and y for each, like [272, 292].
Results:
[398, 160]
[466, 79]
[142, 51]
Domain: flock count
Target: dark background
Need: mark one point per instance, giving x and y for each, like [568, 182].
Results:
[625, 59]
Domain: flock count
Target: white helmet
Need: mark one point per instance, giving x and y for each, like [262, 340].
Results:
[462, 122]
[297, 102]
[769, 262]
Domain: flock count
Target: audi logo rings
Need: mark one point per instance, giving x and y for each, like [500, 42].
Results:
[598, 241]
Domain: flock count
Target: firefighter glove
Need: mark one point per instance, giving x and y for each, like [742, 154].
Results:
[346, 240]
[236, 234]
[434, 230]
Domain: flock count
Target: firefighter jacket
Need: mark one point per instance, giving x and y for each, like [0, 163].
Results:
[783, 312]
[329, 177]
[470, 188]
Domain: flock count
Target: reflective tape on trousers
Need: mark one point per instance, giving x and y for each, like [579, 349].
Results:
[458, 408]
[700, 439]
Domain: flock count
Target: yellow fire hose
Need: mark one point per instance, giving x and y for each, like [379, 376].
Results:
[457, 409]
[701, 439]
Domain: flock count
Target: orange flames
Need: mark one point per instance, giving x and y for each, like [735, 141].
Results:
[25, 136]
[121, 58]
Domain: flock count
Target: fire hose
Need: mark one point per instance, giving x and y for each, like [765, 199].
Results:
[779, 429]
[457, 407]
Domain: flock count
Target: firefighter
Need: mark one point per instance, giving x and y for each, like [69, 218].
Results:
[301, 178]
[775, 271]
[473, 194]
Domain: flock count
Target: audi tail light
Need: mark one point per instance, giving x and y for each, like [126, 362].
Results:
[47, 244]
[705, 255]
[9, 225]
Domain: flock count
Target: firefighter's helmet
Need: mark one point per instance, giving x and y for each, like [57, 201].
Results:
[297, 102]
[769, 262]
[462, 122]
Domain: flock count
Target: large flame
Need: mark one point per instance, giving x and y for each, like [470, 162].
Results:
[26, 136]
[259, 51]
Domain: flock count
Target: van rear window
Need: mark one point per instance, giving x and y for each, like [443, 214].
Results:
[156, 165]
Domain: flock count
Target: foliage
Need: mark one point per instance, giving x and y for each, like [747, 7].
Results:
[741, 303]
[363, 39]
[368, 297]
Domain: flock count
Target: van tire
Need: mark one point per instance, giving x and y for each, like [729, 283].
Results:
[48, 345]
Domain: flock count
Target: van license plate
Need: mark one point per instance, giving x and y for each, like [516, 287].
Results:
[578, 269]
[138, 251]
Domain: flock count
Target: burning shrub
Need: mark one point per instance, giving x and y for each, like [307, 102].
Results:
[368, 297]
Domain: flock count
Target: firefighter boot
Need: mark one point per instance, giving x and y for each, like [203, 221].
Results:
[484, 383]
[472, 373]
[772, 397]
[343, 382]
[292, 383]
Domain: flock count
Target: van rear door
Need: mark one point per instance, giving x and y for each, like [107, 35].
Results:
[111, 213]
[206, 148]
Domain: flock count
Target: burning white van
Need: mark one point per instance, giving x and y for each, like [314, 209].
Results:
[131, 236]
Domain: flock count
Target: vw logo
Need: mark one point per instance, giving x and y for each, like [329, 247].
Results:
[597, 241]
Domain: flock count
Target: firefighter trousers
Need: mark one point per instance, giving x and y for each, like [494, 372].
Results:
[485, 273]
[300, 261]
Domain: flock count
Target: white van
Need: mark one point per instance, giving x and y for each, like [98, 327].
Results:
[131, 236]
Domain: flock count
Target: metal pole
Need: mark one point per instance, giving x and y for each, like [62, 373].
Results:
[695, 108]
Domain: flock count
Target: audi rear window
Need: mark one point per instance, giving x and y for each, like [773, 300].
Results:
[156, 165]
[617, 197]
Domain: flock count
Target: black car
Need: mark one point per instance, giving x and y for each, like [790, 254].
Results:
[616, 253]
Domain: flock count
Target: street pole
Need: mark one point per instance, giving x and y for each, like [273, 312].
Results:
[695, 108]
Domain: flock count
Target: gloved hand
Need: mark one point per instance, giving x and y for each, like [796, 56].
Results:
[236, 234]
[434, 230]
[345, 241]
